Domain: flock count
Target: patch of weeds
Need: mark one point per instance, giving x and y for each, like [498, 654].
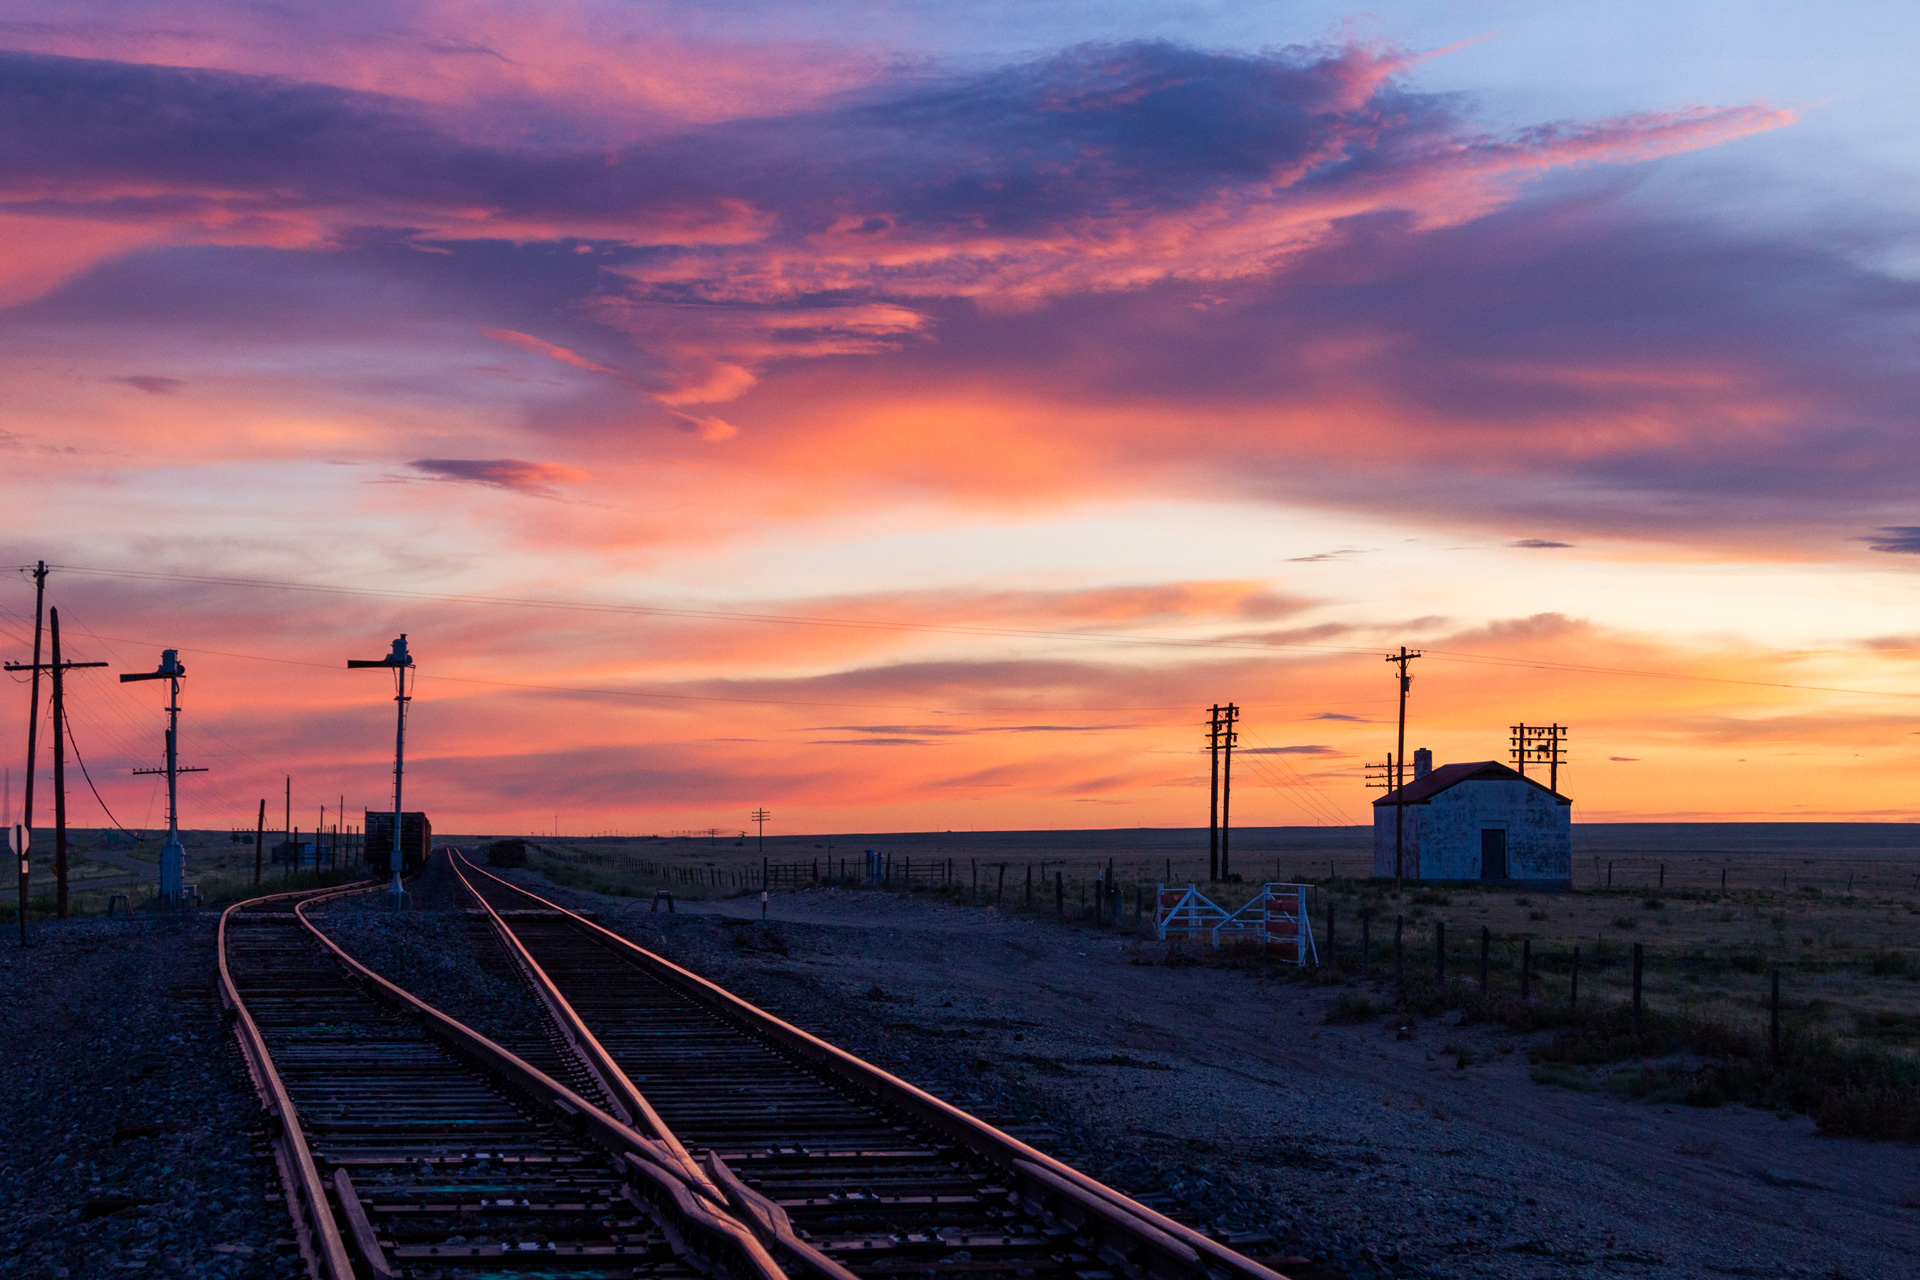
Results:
[1431, 898]
[1351, 1007]
[1749, 963]
[1652, 903]
[1888, 964]
[1523, 901]
[1888, 1028]
[1461, 1055]
[1624, 922]
[1538, 915]
[1564, 1076]
[1663, 1084]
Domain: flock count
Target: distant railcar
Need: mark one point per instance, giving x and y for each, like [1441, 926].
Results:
[416, 839]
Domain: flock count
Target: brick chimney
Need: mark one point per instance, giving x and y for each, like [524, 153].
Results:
[1422, 763]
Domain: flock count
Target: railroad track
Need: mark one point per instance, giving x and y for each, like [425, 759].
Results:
[409, 1145]
[839, 1167]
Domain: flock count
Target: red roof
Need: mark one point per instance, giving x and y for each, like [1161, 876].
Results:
[1421, 790]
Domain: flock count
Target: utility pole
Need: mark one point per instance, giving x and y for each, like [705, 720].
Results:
[173, 856]
[760, 816]
[1213, 795]
[56, 669]
[1539, 743]
[1400, 768]
[33, 736]
[286, 828]
[1229, 716]
[259, 842]
[60, 769]
[400, 662]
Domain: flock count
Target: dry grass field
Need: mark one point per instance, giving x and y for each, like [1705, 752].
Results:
[104, 865]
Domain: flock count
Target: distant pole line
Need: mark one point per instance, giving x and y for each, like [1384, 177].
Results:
[1213, 794]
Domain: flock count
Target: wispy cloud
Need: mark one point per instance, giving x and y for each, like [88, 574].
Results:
[1290, 751]
[1899, 539]
[152, 383]
[539, 479]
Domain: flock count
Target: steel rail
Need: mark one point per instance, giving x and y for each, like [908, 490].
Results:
[765, 1218]
[665, 1147]
[318, 1234]
[704, 1234]
[703, 1229]
[1144, 1242]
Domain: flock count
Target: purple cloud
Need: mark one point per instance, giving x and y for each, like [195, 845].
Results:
[1898, 539]
[152, 384]
[1289, 751]
[536, 478]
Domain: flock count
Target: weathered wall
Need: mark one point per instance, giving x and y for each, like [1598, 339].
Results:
[1443, 834]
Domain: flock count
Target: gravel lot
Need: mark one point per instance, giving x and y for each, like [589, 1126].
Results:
[129, 1120]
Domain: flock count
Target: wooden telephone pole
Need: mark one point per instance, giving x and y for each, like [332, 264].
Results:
[1229, 716]
[1213, 794]
[1400, 766]
[56, 669]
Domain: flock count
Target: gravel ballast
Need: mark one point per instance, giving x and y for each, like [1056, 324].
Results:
[134, 1143]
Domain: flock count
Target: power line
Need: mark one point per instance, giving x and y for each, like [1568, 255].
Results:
[719, 615]
[877, 624]
[1309, 799]
[1320, 802]
[708, 697]
[82, 762]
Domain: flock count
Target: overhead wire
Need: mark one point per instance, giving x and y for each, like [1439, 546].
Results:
[82, 762]
[1275, 756]
[876, 624]
[1309, 803]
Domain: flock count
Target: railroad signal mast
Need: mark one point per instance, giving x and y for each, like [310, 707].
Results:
[1539, 744]
[173, 856]
[400, 662]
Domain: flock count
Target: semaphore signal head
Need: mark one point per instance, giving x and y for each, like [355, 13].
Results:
[170, 668]
[399, 657]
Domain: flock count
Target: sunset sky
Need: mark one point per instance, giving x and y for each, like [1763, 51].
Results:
[913, 416]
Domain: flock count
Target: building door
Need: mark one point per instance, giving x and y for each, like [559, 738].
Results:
[1493, 853]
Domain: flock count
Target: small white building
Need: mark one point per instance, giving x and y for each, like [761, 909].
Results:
[1475, 821]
